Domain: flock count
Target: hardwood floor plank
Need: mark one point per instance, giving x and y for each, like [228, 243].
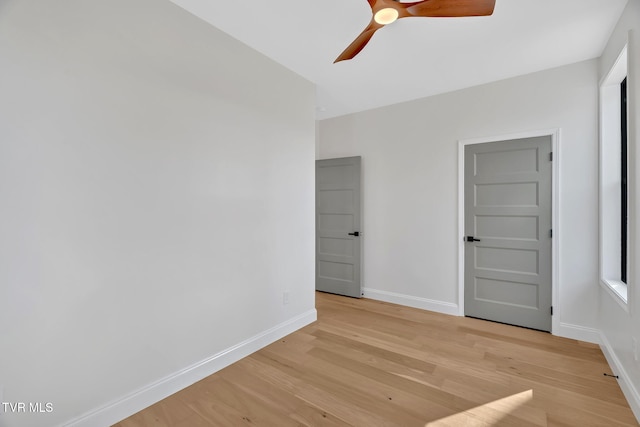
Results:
[369, 363]
[591, 385]
[222, 396]
[558, 401]
[509, 402]
[339, 383]
[297, 409]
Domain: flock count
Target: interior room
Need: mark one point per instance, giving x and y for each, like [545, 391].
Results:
[158, 179]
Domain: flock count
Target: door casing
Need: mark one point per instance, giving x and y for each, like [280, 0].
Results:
[555, 209]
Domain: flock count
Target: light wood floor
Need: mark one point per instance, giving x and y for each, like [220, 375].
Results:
[367, 363]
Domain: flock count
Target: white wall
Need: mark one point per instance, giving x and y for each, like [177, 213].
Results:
[410, 172]
[156, 200]
[619, 326]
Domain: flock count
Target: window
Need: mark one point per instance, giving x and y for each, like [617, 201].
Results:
[613, 181]
[623, 181]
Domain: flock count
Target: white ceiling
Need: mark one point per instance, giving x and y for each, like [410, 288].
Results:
[413, 57]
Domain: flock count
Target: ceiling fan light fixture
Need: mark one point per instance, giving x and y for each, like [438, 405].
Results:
[386, 16]
[386, 12]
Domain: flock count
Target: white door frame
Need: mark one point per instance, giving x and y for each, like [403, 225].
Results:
[555, 210]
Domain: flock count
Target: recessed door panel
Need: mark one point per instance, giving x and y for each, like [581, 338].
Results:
[507, 259]
[336, 246]
[336, 201]
[514, 161]
[336, 222]
[513, 227]
[507, 194]
[336, 271]
[508, 294]
[338, 177]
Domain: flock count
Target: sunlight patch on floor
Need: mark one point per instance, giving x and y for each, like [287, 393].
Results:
[489, 414]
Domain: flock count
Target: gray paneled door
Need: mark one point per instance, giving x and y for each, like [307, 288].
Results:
[508, 232]
[338, 226]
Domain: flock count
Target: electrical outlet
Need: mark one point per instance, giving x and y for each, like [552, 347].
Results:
[634, 347]
[285, 297]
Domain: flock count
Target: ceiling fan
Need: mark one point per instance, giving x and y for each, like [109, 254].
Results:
[387, 11]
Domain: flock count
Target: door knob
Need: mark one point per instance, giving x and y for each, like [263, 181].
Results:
[471, 239]
[355, 233]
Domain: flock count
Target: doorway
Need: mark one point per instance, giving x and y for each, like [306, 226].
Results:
[338, 233]
[507, 234]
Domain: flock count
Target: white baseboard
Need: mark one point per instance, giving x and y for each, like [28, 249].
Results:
[134, 402]
[412, 301]
[577, 332]
[629, 390]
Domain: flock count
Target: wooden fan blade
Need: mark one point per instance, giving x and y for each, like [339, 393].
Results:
[359, 43]
[451, 8]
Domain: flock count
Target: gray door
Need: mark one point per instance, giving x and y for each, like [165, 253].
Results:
[338, 226]
[508, 210]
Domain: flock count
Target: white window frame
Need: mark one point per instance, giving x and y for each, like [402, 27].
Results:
[610, 181]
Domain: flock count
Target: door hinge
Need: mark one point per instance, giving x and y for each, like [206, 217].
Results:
[551, 232]
[552, 310]
[551, 156]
